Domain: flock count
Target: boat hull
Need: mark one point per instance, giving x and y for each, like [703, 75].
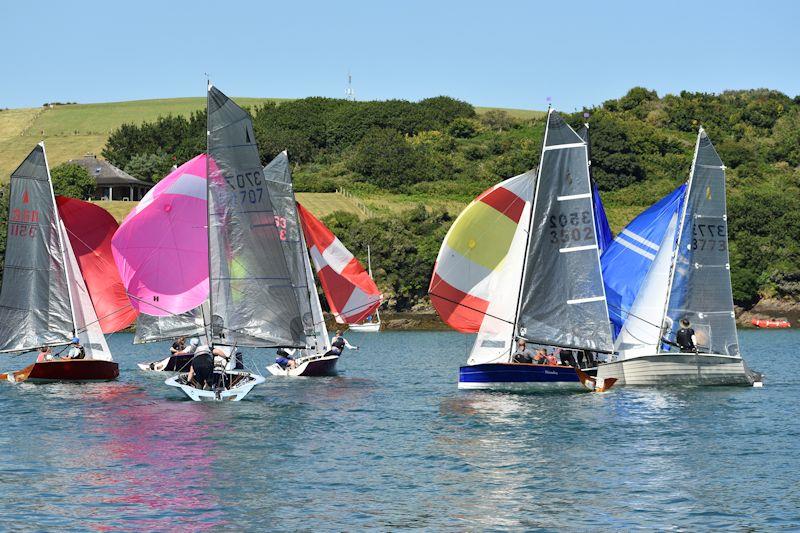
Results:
[246, 382]
[173, 363]
[679, 370]
[519, 377]
[367, 327]
[67, 370]
[314, 366]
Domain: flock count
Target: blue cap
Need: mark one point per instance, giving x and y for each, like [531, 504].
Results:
[75, 340]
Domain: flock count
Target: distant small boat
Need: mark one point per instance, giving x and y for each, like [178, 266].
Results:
[771, 323]
[44, 300]
[369, 325]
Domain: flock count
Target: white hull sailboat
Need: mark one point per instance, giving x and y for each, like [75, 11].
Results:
[369, 325]
[239, 384]
[687, 278]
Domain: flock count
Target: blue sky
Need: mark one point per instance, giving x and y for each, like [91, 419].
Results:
[493, 53]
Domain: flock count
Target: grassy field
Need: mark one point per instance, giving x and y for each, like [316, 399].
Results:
[71, 131]
[522, 114]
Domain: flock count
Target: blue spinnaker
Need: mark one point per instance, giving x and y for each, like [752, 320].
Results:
[628, 258]
[603, 230]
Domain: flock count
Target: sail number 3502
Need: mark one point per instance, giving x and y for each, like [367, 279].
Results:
[571, 227]
[248, 186]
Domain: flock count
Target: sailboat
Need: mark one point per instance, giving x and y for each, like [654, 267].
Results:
[44, 300]
[314, 358]
[674, 260]
[251, 297]
[522, 262]
[371, 324]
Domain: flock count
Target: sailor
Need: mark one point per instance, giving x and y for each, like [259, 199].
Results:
[45, 354]
[339, 343]
[76, 351]
[284, 360]
[523, 354]
[178, 345]
[567, 357]
[551, 359]
[221, 360]
[685, 338]
[540, 357]
[201, 368]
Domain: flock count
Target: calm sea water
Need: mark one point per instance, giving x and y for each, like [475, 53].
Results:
[391, 444]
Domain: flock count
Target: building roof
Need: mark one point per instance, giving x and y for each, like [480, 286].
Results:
[107, 174]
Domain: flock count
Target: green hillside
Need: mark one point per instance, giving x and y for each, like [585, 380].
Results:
[70, 131]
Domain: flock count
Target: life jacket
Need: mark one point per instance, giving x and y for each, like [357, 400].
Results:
[684, 339]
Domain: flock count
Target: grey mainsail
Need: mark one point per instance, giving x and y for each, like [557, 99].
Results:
[278, 179]
[701, 279]
[35, 301]
[562, 301]
[163, 328]
[252, 298]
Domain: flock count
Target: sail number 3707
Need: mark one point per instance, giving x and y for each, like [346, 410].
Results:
[248, 186]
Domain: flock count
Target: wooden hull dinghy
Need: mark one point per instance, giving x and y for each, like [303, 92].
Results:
[528, 377]
[311, 366]
[65, 370]
[240, 382]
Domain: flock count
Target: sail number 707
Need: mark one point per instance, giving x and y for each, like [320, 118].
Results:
[248, 186]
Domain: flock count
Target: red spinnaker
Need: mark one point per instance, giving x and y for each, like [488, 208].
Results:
[90, 228]
[352, 295]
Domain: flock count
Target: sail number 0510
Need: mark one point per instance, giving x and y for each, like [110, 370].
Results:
[571, 227]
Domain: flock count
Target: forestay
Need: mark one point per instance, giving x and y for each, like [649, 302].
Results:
[627, 261]
[563, 300]
[701, 284]
[253, 302]
[34, 301]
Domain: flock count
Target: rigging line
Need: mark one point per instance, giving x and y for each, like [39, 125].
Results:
[628, 313]
[86, 326]
[471, 308]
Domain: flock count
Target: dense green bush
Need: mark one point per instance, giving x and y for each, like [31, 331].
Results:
[72, 180]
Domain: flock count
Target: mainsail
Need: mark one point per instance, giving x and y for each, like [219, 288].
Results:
[627, 261]
[352, 294]
[253, 302]
[161, 249]
[475, 284]
[34, 301]
[563, 299]
[701, 281]
[90, 229]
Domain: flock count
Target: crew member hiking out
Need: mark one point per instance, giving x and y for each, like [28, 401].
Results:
[685, 338]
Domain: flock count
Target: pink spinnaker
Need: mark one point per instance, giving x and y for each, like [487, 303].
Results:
[161, 249]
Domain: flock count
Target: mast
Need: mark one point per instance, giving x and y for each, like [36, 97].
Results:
[61, 243]
[209, 324]
[528, 240]
[679, 235]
